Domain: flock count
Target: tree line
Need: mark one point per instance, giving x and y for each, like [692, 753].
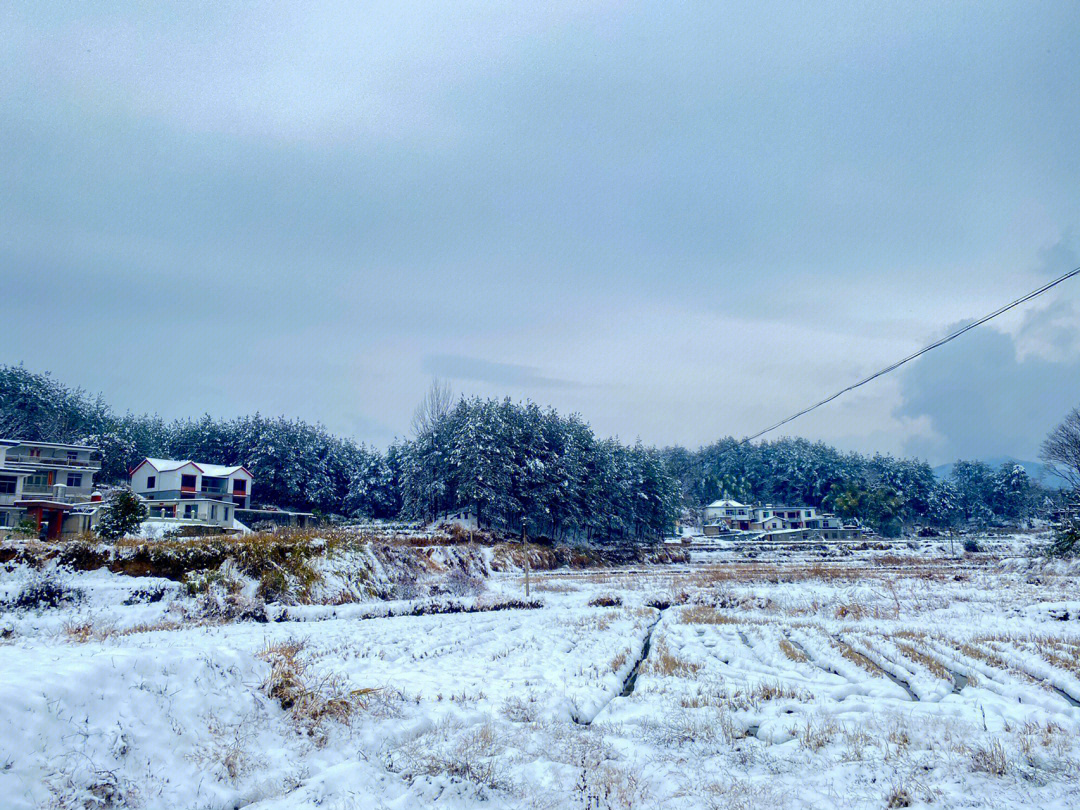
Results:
[520, 465]
[885, 492]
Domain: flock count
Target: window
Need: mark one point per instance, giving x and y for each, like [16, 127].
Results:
[37, 482]
[7, 485]
[213, 511]
[151, 481]
[239, 487]
[3, 518]
[35, 452]
[74, 479]
[191, 511]
[72, 455]
[187, 482]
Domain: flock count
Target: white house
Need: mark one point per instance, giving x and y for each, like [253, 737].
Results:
[466, 517]
[166, 479]
[192, 491]
[42, 481]
[726, 509]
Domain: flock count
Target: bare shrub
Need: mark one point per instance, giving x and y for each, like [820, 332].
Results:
[231, 607]
[522, 709]
[44, 591]
[459, 583]
[606, 786]
[146, 596]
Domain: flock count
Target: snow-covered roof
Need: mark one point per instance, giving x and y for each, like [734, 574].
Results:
[220, 469]
[727, 503]
[164, 464]
[169, 465]
[18, 442]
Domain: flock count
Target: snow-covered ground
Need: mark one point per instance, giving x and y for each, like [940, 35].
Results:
[871, 680]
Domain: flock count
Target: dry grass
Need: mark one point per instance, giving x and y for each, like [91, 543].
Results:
[857, 658]
[792, 652]
[852, 611]
[1048, 735]
[83, 632]
[764, 692]
[310, 701]
[471, 756]
[918, 656]
[990, 759]
[662, 661]
[606, 600]
[815, 735]
[703, 614]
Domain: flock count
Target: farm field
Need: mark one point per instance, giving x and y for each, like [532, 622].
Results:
[868, 681]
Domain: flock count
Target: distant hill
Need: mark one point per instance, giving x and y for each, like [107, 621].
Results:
[1038, 472]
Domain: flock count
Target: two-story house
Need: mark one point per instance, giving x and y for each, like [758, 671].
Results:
[798, 517]
[192, 491]
[726, 511]
[42, 481]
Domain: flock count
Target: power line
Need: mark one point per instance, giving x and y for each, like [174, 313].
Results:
[953, 336]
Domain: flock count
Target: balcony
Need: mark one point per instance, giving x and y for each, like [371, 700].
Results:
[51, 461]
[57, 492]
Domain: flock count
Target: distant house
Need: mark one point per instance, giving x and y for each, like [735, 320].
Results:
[769, 522]
[798, 517]
[727, 511]
[766, 524]
[466, 517]
[43, 481]
[195, 492]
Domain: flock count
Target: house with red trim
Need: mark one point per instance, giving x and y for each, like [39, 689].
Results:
[198, 492]
[43, 481]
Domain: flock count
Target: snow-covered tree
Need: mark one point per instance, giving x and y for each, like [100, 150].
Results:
[122, 514]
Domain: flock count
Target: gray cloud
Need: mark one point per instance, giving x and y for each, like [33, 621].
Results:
[984, 400]
[326, 205]
[456, 367]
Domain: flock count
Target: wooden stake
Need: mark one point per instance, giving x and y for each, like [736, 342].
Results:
[525, 541]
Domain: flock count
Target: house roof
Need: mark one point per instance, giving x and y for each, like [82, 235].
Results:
[221, 470]
[18, 442]
[170, 465]
[727, 502]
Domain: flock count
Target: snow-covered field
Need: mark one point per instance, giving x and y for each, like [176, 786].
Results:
[865, 681]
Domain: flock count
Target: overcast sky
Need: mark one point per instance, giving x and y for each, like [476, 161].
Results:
[682, 220]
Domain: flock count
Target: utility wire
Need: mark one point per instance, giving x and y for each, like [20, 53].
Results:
[953, 336]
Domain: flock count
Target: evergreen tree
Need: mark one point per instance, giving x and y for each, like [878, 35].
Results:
[122, 514]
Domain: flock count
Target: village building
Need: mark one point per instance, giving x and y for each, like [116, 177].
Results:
[43, 482]
[192, 492]
[771, 522]
[728, 512]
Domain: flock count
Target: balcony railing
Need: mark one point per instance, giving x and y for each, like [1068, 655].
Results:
[52, 461]
[57, 492]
